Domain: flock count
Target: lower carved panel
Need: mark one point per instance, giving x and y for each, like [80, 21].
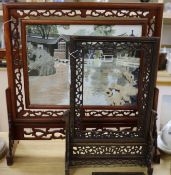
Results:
[107, 150]
[109, 133]
[109, 162]
[44, 133]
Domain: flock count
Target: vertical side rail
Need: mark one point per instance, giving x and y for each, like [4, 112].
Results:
[67, 142]
[156, 156]
[151, 141]
[12, 142]
[153, 155]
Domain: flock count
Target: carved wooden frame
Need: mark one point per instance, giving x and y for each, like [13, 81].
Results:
[49, 123]
[104, 146]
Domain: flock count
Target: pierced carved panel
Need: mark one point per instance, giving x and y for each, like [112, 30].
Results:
[110, 133]
[110, 113]
[107, 151]
[44, 133]
[42, 113]
[77, 100]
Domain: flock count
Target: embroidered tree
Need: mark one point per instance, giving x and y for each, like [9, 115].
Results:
[44, 31]
[103, 30]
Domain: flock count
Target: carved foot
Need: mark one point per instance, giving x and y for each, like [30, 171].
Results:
[67, 172]
[150, 171]
[9, 159]
[11, 151]
[156, 157]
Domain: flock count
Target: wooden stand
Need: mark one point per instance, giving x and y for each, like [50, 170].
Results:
[47, 122]
[113, 143]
